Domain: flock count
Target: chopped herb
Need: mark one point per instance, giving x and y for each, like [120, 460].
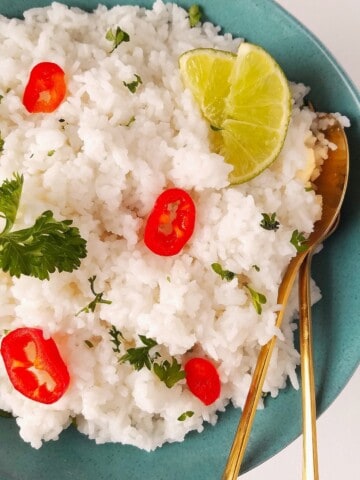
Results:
[258, 299]
[168, 279]
[2, 143]
[8, 90]
[224, 274]
[185, 415]
[194, 15]
[132, 86]
[256, 267]
[61, 120]
[140, 356]
[39, 250]
[1, 97]
[169, 373]
[216, 129]
[310, 188]
[5, 414]
[89, 344]
[50, 153]
[269, 221]
[132, 120]
[116, 37]
[31, 156]
[116, 338]
[299, 241]
[90, 307]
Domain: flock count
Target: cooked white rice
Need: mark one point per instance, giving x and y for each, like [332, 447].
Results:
[105, 176]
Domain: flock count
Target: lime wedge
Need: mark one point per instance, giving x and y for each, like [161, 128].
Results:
[247, 101]
[206, 72]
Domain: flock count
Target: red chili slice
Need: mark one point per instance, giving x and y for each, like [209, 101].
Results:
[34, 365]
[171, 222]
[203, 380]
[45, 89]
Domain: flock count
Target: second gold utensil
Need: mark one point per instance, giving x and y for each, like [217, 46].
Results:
[310, 467]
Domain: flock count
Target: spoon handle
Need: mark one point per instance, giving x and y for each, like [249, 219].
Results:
[310, 470]
[242, 434]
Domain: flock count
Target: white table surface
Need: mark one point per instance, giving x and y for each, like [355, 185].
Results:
[336, 23]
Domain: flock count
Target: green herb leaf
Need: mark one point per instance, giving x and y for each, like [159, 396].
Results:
[1, 97]
[224, 274]
[256, 267]
[185, 415]
[269, 221]
[117, 37]
[98, 298]
[132, 86]
[169, 373]
[132, 120]
[10, 194]
[2, 143]
[299, 241]
[50, 153]
[194, 15]
[257, 298]
[116, 338]
[140, 357]
[39, 250]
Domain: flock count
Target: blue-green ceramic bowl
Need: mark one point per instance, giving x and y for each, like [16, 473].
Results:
[336, 268]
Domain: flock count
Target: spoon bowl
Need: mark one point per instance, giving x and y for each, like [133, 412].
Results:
[331, 185]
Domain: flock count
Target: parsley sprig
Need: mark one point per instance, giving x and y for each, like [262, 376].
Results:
[224, 274]
[98, 298]
[116, 338]
[194, 15]
[140, 357]
[299, 241]
[169, 373]
[269, 221]
[147, 356]
[185, 415]
[117, 37]
[132, 86]
[258, 299]
[39, 250]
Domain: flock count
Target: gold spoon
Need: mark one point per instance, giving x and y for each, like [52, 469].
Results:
[331, 184]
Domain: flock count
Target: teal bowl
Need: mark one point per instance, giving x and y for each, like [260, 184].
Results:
[336, 269]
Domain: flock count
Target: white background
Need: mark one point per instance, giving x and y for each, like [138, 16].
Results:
[337, 24]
